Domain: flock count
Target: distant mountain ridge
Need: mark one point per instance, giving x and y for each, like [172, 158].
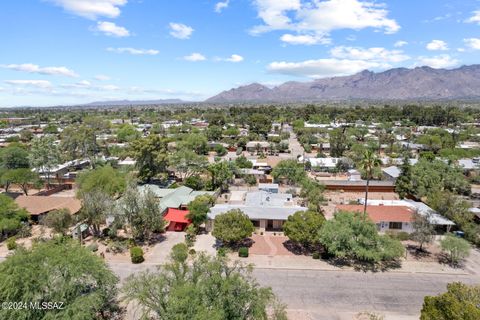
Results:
[134, 102]
[421, 83]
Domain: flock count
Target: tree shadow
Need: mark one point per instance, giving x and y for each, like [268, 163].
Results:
[444, 259]
[365, 266]
[418, 253]
[297, 249]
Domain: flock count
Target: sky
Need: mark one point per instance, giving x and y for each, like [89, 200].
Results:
[63, 52]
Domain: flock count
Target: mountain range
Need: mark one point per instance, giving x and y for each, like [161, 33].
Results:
[133, 102]
[420, 83]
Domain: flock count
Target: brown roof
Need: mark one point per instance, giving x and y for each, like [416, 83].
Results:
[37, 205]
[382, 213]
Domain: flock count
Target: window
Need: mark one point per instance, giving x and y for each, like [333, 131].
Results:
[256, 223]
[395, 225]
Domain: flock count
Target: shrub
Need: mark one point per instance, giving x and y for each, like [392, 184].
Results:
[400, 236]
[316, 255]
[192, 251]
[222, 252]
[11, 244]
[243, 252]
[93, 247]
[116, 247]
[136, 254]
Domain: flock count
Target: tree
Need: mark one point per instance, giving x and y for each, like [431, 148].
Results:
[142, 212]
[214, 133]
[195, 182]
[208, 288]
[460, 302]
[290, 170]
[423, 230]
[44, 155]
[350, 236]
[312, 192]
[198, 209]
[151, 156]
[104, 179]
[187, 163]
[260, 123]
[250, 179]
[58, 271]
[243, 163]
[221, 173]
[23, 177]
[81, 142]
[96, 205]
[456, 248]
[59, 220]
[196, 142]
[338, 142]
[11, 217]
[127, 133]
[232, 227]
[368, 164]
[303, 227]
[14, 157]
[403, 184]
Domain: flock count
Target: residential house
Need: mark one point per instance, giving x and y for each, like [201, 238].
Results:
[267, 211]
[268, 187]
[260, 146]
[39, 206]
[391, 173]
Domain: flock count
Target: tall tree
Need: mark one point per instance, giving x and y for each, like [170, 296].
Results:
[187, 163]
[151, 156]
[303, 227]
[198, 209]
[44, 155]
[232, 227]
[96, 205]
[62, 272]
[208, 288]
[368, 164]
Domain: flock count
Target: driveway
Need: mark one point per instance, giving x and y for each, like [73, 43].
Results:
[270, 245]
[159, 253]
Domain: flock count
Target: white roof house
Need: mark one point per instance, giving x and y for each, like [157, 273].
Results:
[392, 172]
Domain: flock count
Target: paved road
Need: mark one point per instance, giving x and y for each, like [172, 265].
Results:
[339, 294]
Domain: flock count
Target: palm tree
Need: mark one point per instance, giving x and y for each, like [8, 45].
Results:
[369, 162]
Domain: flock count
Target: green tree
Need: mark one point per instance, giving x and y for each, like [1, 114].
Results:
[142, 212]
[303, 227]
[127, 133]
[104, 179]
[312, 192]
[456, 248]
[232, 227]
[208, 288]
[460, 302]
[96, 205]
[187, 163]
[338, 142]
[24, 178]
[196, 142]
[289, 170]
[11, 217]
[423, 230]
[58, 271]
[198, 209]
[14, 157]
[243, 163]
[214, 133]
[348, 235]
[44, 155]
[195, 182]
[59, 220]
[260, 123]
[403, 184]
[80, 142]
[221, 173]
[151, 156]
[368, 164]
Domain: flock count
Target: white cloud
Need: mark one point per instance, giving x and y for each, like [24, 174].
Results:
[306, 39]
[180, 30]
[134, 51]
[43, 84]
[436, 45]
[79, 84]
[372, 54]
[91, 9]
[473, 43]
[111, 29]
[33, 68]
[234, 58]
[319, 18]
[400, 44]
[321, 68]
[475, 18]
[438, 62]
[101, 77]
[219, 6]
[195, 57]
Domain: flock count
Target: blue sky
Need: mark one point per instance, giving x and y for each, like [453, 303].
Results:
[74, 51]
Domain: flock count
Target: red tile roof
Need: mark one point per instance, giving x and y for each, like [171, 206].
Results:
[382, 213]
[177, 215]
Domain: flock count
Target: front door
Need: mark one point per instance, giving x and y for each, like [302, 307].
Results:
[269, 224]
